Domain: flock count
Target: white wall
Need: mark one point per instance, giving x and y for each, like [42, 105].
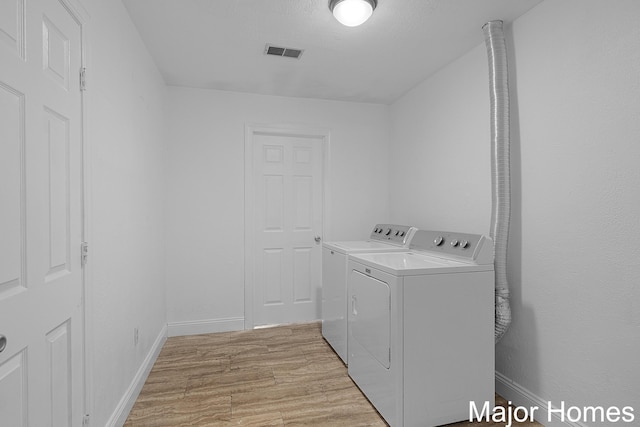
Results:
[574, 258]
[125, 136]
[205, 181]
[440, 176]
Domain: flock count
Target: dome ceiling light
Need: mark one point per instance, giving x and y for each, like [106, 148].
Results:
[352, 12]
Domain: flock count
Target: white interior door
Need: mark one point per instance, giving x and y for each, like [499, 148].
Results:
[288, 195]
[41, 318]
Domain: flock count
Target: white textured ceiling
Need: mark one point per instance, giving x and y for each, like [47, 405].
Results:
[219, 44]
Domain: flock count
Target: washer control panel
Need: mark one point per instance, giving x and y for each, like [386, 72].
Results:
[471, 247]
[391, 233]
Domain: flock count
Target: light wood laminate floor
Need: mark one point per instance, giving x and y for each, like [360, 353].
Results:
[281, 376]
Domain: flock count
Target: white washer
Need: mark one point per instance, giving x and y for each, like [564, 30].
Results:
[383, 238]
[421, 339]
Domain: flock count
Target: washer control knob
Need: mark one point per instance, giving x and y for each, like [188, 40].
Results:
[401, 233]
[438, 241]
[388, 231]
[454, 243]
[464, 244]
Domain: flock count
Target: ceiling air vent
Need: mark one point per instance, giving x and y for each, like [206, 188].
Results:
[282, 51]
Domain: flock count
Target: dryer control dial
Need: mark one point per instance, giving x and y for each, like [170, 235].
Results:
[438, 241]
[454, 243]
[388, 231]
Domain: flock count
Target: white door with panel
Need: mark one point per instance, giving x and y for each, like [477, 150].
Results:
[41, 307]
[288, 196]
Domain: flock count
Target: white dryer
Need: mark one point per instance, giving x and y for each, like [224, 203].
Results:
[383, 238]
[421, 339]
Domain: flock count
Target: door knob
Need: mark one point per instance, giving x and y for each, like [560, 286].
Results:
[317, 239]
[3, 343]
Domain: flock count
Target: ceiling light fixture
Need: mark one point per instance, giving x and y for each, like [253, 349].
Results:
[352, 12]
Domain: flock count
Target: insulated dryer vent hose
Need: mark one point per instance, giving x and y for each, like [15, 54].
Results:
[500, 179]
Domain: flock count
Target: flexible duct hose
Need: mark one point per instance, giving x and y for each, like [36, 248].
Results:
[500, 179]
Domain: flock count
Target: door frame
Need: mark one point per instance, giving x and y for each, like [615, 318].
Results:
[323, 137]
[81, 16]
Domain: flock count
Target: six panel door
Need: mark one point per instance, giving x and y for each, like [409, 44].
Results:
[41, 307]
[288, 227]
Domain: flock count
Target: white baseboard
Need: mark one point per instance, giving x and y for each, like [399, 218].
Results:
[520, 396]
[207, 326]
[121, 412]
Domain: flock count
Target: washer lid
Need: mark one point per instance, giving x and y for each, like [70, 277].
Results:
[413, 264]
[363, 246]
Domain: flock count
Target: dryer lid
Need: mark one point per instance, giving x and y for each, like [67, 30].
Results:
[413, 264]
[362, 246]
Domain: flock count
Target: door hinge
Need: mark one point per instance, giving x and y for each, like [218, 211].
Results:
[84, 253]
[85, 420]
[83, 79]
